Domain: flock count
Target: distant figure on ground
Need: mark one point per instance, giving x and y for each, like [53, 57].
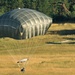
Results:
[23, 69]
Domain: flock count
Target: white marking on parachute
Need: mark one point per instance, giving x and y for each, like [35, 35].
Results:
[23, 60]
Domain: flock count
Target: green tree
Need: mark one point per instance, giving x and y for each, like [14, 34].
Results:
[33, 4]
[39, 5]
[2, 7]
[26, 3]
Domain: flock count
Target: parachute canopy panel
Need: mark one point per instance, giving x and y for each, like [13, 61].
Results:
[24, 23]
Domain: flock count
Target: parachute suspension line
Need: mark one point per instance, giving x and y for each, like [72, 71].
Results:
[28, 52]
[11, 54]
[13, 51]
[22, 63]
[20, 56]
[13, 58]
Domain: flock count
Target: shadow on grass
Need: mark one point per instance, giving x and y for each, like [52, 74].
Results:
[53, 43]
[62, 32]
[68, 38]
[60, 42]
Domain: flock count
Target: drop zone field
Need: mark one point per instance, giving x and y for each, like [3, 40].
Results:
[47, 54]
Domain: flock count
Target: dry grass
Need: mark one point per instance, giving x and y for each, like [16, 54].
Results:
[45, 58]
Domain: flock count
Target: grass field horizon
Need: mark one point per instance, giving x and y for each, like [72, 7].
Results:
[46, 54]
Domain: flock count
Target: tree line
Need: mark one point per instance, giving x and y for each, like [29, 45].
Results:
[59, 10]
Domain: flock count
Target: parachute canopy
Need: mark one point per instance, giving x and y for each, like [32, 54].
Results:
[24, 23]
